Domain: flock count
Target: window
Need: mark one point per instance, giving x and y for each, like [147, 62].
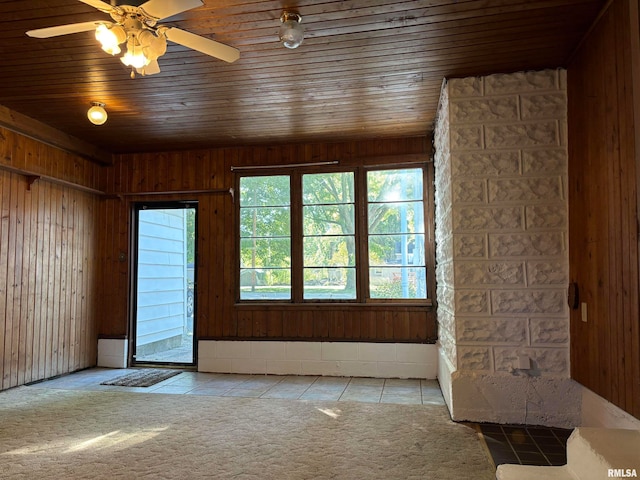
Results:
[265, 238]
[328, 236]
[302, 239]
[395, 223]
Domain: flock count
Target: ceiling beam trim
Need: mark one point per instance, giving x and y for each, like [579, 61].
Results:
[44, 133]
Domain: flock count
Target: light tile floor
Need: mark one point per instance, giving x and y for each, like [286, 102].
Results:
[371, 390]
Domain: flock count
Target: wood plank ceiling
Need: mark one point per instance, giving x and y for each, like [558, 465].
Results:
[366, 69]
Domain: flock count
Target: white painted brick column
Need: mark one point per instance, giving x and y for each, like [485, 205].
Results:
[447, 345]
[502, 260]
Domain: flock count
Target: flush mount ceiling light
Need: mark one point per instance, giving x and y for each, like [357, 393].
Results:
[97, 114]
[291, 32]
[136, 30]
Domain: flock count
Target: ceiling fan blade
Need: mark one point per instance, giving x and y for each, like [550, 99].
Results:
[65, 29]
[204, 45]
[100, 5]
[160, 9]
[150, 69]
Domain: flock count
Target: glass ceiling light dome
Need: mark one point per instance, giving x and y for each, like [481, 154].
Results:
[134, 57]
[97, 114]
[291, 31]
[110, 38]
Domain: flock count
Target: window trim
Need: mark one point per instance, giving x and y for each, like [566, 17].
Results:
[361, 236]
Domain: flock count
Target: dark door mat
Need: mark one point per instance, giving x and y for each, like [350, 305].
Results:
[144, 377]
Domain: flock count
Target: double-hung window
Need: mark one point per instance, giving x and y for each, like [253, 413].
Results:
[355, 235]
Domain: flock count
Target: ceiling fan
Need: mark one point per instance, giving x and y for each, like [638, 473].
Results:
[138, 28]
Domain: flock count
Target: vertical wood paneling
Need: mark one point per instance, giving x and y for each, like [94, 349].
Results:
[245, 320]
[6, 261]
[305, 328]
[628, 81]
[259, 323]
[5, 193]
[352, 325]
[603, 207]
[337, 325]
[204, 270]
[54, 282]
[42, 251]
[45, 231]
[290, 326]
[632, 329]
[46, 325]
[26, 309]
[274, 324]
[320, 325]
[13, 307]
[220, 244]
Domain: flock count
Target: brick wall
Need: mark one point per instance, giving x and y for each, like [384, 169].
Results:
[502, 260]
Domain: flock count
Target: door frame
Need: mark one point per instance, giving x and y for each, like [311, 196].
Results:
[136, 207]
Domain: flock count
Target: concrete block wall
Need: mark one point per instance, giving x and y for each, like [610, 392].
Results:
[353, 359]
[502, 259]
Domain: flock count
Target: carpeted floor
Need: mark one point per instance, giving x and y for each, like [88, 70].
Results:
[55, 434]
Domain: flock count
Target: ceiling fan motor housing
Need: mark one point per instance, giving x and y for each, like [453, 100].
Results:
[132, 24]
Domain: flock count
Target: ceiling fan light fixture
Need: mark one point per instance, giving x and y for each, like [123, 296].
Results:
[97, 114]
[291, 30]
[134, 57]
[153, 46]
[136, 27]
[110, 38]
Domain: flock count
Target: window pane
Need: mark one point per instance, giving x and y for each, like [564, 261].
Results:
[394, 185]
[265, 252]
[265, 284]
[396, 243]
[397, 282]
[263, 191]
[329, 283]
[401, 217]
[328, 241]
[404, 250]
[327, 188]
[265, 242]
[329, 251]
[265, 221]
[329, 219]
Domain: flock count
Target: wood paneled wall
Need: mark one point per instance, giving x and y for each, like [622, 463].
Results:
[217, 315]
[47, 262]
[604, 147]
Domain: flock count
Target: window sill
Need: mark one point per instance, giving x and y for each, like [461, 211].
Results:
[258, 305]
